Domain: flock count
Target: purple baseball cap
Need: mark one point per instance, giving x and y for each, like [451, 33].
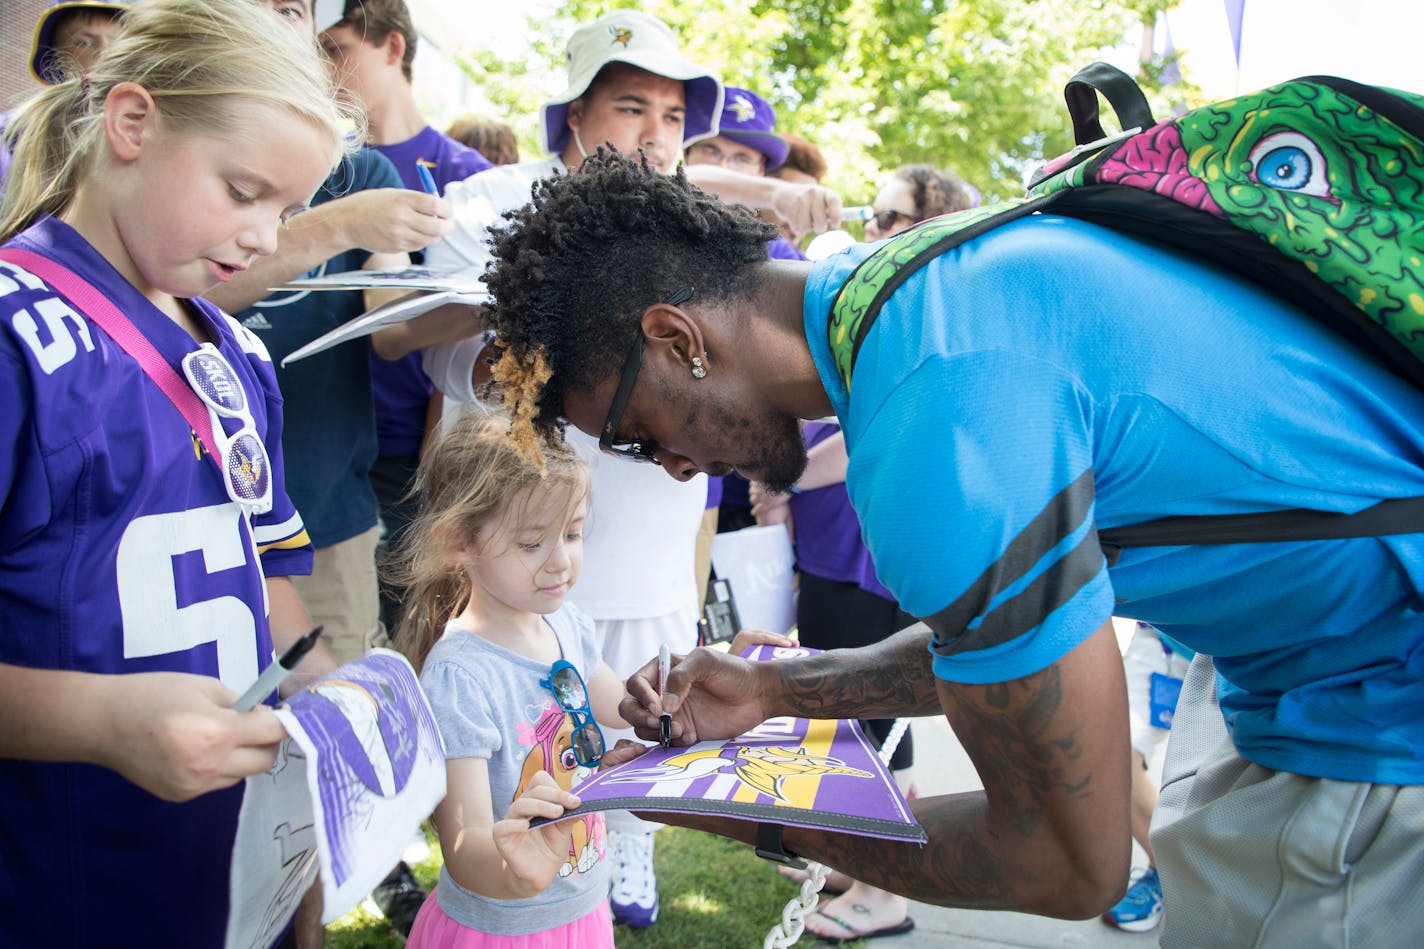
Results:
[748, 119]
[43, 65]
[635, 38]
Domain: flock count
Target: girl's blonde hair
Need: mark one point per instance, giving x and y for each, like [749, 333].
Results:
[466, 482]
[201, 60]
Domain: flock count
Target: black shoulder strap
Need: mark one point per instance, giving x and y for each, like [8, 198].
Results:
[1395, 516]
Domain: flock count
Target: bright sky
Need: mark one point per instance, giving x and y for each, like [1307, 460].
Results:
[1374, 41]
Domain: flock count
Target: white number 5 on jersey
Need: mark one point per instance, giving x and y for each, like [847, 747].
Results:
[154, 623]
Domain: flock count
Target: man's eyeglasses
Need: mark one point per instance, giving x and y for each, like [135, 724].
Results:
[608, 438]
[707, 153]
[247, 471]
[885, 220]
[568, 688]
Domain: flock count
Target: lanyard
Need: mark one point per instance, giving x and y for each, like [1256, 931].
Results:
[98, 308]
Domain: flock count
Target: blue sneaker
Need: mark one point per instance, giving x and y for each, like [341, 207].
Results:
[1141, 909]
[633, 896]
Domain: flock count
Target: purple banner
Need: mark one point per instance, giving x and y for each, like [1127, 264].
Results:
[807, 772]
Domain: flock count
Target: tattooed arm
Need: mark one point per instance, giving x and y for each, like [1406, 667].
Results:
[1049, 832]
[730, 695]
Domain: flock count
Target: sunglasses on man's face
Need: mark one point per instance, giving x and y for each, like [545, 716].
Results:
[567, 686]
[608, 438]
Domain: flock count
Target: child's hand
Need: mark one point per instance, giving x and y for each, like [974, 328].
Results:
[748, 638]
[176, 736]
[536, 855]
[622, 753]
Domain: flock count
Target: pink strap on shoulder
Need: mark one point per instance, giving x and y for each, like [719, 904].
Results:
[97, 307]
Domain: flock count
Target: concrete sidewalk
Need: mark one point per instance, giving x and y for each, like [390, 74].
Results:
[942, 767]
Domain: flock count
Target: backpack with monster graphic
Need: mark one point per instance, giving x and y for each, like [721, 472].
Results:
[1313, 188]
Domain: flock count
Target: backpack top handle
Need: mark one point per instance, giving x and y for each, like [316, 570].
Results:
[1122, 93]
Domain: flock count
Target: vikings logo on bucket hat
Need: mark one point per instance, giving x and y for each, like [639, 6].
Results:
[628, 36]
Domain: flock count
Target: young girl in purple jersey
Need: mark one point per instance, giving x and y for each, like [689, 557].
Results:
[145, 533]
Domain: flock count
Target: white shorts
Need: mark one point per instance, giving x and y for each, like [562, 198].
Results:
[1261, 858]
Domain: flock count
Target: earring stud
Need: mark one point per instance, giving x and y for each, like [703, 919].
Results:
[698, 370]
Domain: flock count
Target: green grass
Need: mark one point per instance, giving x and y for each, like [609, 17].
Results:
[715, 894]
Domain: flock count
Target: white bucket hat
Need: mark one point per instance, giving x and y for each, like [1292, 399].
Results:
[635, 38]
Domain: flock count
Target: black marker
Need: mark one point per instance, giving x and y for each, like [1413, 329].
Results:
[273, 675]
[664, 720]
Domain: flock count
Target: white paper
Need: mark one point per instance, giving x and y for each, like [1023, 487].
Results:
[274, 858]
[364, 766]
[760, 564]
[387, 314]
[463, 280]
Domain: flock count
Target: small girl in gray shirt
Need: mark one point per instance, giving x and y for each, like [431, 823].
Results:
[515, 679]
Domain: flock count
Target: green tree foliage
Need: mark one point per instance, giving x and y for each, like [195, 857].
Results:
[975, 86]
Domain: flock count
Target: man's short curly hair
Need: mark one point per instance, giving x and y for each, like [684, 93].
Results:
[574, 270]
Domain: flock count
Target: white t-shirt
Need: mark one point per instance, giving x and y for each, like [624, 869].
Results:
[640, 541]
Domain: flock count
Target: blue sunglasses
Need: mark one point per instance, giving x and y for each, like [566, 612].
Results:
[567, 686]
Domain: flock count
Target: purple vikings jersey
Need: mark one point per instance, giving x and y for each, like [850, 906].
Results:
[120, 552]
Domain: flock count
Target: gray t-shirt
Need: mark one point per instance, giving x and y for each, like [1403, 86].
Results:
[489, 704]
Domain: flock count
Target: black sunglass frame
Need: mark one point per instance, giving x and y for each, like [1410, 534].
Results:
[635, 450]
[886, 219]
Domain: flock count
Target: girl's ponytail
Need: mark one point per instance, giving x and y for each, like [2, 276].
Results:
[50, 137]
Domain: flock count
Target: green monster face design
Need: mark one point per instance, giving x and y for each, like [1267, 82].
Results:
[1326, 172]
[1327, 181]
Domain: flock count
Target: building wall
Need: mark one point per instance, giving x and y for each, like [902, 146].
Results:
[17, 29]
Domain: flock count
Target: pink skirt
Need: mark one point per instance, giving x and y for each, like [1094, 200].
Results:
[435, 930]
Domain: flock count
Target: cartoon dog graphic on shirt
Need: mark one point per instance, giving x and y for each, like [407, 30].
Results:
[553, 753]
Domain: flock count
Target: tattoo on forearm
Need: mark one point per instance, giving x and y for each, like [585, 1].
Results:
[890, 679]
[1012, 723]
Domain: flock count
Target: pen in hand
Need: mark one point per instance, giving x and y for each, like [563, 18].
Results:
[664, 719]
[273, 675]
[427, 180]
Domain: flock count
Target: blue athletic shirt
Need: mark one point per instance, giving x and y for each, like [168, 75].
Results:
[1053, 375]
[120, 552]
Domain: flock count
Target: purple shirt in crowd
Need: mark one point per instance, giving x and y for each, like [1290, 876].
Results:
[402, 390]
[828, 542]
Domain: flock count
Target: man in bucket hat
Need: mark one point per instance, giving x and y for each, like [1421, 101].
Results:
[610, 49]
[746, 140]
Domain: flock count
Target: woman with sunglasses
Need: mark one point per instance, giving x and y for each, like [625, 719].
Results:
[514, 676]
[913, 194]
[146, 536]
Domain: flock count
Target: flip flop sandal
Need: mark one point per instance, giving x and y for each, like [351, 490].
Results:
[903, 926]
